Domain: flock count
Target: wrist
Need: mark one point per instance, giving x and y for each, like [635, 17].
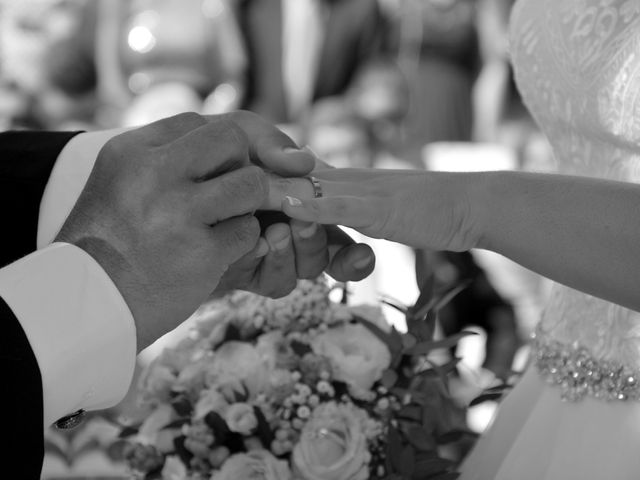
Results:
[481, 193]
[460, 198]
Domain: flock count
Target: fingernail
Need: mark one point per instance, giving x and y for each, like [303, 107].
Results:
[310, 150]
[293, 201]
[291, 149]
[281, 244]
[309, 231]
[262, 249]
[362, 263]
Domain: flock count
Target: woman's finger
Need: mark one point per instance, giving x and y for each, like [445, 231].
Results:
[280, 187]
[302, 188]
[349, 211]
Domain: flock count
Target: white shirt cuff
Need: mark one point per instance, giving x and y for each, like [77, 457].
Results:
[67, 180]
[78, 325]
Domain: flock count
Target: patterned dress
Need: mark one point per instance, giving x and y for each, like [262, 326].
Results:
[576, 412]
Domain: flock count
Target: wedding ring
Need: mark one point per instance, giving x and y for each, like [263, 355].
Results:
[317, 187]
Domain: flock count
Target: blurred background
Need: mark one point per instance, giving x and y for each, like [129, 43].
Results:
[411, 84]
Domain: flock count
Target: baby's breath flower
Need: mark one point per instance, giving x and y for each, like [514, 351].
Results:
[303, 412]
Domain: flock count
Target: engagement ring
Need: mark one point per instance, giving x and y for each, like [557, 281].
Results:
[317, 187]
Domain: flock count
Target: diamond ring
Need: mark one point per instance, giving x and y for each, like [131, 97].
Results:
[317, 187]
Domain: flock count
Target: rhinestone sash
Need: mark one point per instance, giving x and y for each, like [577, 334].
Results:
[579, 374]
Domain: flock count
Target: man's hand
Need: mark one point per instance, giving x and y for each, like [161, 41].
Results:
[168, 213]
[297, 249]
[166, 210]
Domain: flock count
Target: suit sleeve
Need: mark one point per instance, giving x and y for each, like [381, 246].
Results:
[21, 401]
[26, 161]
[68, 338]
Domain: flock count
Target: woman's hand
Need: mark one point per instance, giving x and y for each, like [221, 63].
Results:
[421, 209]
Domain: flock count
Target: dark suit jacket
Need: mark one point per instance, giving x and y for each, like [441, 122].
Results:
[351, 38]
[26, 160]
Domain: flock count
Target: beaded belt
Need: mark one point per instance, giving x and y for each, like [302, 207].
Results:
[578, 373]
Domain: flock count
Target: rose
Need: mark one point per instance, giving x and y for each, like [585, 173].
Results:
[333, 445]
[210, 401]
[357, 356]
[268, 347]
[256, 464]
[157, 382]
[174, 469]
[276, 351]
[241, 418]
[154, 423]
[238, 362]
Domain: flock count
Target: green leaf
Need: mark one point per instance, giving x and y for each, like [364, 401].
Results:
[425, 299]
[423, 327]
[389, 379]
[410, 412]
[430, 467]
[393, 303]
[485, 397]
[218, 425]
[407, 461]
[263, 430]
[128, 431]
[300, 349]
[446, 476]
[420, 439]
[426, 347]
[393, 339]
[446, 368]
[409, 341]
[182, 405]
[455, 435]
[499, 388]
[177, 423]
[393, 450]
[448, 295]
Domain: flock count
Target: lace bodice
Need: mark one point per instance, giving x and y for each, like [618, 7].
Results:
[577, 65]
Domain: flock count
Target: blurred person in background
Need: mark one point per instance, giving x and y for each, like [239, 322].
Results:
[453, 55]
[29, 32]
[303, 53]
[158, 58]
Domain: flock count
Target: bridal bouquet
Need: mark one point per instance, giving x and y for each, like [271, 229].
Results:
[297, 388]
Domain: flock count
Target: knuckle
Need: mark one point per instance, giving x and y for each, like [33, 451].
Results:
[230, 130]
[244, 116]
[247, 232]
[188, 119]
[257, 182]
[312, 271]
[340, 207]
[284, 288]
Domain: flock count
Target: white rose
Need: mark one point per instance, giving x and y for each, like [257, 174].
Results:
[256, 465]
[267, 347]
[157, 420]
[210, 401]
[357, 356]
[241, 418]
[333, 445]
[174, 469]
[239, 362]
[157, 381]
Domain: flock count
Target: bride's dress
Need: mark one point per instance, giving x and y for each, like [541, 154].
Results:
[576, 412]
